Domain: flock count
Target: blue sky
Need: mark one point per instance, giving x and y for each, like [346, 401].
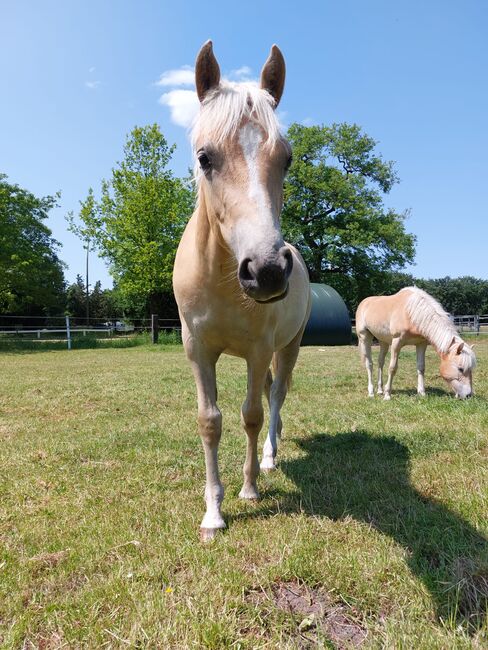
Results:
[78, 75]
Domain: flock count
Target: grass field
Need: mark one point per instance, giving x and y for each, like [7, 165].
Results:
[372, 533]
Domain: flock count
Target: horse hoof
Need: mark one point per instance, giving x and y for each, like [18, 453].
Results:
[251, 494]
[370, 394]
[268, 465]
[387, 397]
[208, 534]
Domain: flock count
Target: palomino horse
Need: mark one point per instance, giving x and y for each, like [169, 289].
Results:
[413, 317]
[240, 288]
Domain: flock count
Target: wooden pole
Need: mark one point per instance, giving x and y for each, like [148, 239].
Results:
[154, 328]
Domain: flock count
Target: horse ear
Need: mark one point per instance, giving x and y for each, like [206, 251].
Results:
[273, 74]
[460, 348]
[207, 71]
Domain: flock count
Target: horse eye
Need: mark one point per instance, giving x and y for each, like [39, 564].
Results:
[461, 370]
[204, 161]
[288, 163]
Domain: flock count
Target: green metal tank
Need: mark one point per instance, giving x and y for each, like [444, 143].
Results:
[329, 322]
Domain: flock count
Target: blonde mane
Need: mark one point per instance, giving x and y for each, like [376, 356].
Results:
[433, 323]
[225, 108]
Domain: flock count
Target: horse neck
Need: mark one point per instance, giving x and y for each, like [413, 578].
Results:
[430, 321]
[433, 334]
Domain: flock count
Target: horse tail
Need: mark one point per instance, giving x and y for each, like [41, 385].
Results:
[361, 331]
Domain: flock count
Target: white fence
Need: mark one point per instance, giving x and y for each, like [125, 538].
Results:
[471, 323]
[66, 328]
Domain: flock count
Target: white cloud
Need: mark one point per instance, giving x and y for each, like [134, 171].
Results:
[282, 119]
[91, 70]
[92, 85]
[307, 121]
[184, 76]
[244, 73]
[183, 105]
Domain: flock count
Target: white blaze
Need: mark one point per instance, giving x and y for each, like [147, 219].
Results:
[257, 230]
[250, 138]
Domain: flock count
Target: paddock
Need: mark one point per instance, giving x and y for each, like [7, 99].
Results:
[372, 532]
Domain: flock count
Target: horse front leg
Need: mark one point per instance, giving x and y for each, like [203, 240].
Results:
[284, 362]
[252, 416]
[210, 430]
[421, 348]
[381, 362]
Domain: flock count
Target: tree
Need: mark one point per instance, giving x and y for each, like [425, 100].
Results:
[334, 212]
[464, 295]
[138, 221]
[31, 274]
[76, 298]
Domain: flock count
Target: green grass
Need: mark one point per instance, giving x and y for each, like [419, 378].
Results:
[378, 508]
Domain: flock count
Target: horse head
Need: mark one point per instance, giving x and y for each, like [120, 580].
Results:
[242, 159]
[457, 368]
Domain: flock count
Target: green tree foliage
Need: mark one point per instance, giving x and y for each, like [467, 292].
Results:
[460, 296]
[334, 210]
[104, 304]
[464, 295]
[31, 274]
[139, 219]
[76, 298]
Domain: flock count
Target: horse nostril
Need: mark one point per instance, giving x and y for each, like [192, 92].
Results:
[245, 272]
[288, 261]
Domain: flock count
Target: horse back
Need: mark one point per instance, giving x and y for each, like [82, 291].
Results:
[385, 317]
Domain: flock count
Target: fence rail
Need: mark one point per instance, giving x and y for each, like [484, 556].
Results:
[64, 328]
[472, 323]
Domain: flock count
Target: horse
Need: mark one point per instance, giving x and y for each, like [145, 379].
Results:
[240, 288]
[413, 317]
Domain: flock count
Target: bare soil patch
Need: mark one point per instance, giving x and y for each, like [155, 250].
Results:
[318, 617]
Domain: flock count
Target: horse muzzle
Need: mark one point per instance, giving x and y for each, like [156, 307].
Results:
[266, 281]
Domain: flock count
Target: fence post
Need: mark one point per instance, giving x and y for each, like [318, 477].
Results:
[154, 328]
[68, 333]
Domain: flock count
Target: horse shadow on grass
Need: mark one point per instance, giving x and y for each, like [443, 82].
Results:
[429, 391]
[368, 478]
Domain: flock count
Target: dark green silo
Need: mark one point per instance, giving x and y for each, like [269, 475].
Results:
[329, 322]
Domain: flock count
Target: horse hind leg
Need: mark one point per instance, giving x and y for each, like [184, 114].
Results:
[381, 362]
[284, 361]
[396, 346]
[267, 392]
[365, 343]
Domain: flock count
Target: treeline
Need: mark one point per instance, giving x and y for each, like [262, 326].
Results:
[459, 296]
[334, 212]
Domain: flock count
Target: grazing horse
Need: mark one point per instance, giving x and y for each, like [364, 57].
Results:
[413, 317]
[240, 288]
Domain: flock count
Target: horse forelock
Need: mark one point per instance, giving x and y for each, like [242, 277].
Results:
[224, 110]
[467, 357]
